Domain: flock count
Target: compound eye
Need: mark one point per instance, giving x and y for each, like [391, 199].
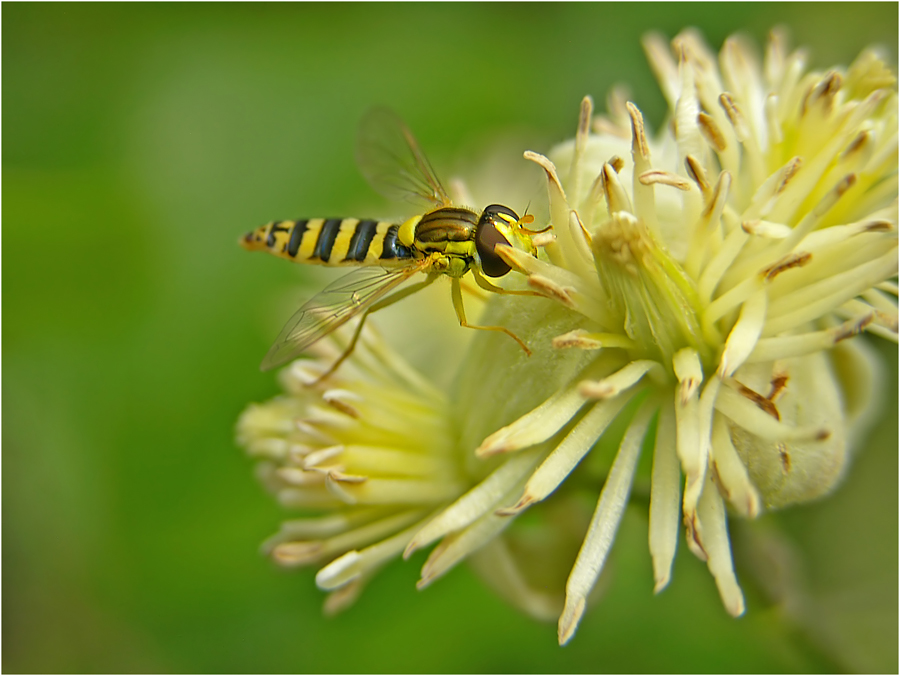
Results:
[504, 213]
[486, 238]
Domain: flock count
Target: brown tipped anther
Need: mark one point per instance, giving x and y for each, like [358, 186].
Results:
[584, 117]
[735, 116]
[697, 173]
[340, 477]
[665, 178]
[762, 402]
[719, 194]
[297, 553]
[687, 388]
[578, 338]
[777, 385]
[794, 260]
[543, 239]
[545, 164]
[790, 170]
[547, 287]
[616, 163]
[750, 226]
[524, 502]
[595, 390]
[862, 139]
[823, 435]
[823, 93]
[711, 132]
[692, 528]
[878, 226]
[717, 480]
[845, 184]
[639, 143]
[343, 407]
[850, 329]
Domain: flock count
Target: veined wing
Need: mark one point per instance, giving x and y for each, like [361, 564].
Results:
[390, 158]
[337, 303]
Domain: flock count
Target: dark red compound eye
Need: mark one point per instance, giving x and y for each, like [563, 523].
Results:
[487, 237]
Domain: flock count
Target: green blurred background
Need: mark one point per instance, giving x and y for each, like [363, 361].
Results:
[139, 141]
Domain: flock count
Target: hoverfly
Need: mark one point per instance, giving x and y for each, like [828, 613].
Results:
[443, 240]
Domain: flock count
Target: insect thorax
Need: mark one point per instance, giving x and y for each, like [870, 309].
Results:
[448, 230]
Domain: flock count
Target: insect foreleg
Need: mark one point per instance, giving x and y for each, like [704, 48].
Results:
[456, 294]
[383, 303]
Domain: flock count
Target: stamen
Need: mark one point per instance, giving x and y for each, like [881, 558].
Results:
[581, 238]
[581, 138]
[393, 491]
[592, 341]
[318, 458]
[559, 216]
[697, 418]
[766, 229]
[477, 502]
[343, 598]
[743, 336]
[540, 423]
[816, 299]
[321, 527]
[663, 66]
[353, 564]
[311, 497]
[299, 553]
[883, 325]
[391, 461]
[783, 347]
[456, 546]
[665, 494]
[621, 380]
[604, 524]
[644, 201]
[654, 176]
[734, 482]
[689, 372]
[698, 174]
[749, 416]
[711, 132]
[565, 457]
[745, 136]
[616, 197]
[771, 112]
[889, 287]
[547, 287]
[806, 225]
[711, 513]
[720, 263]
[707, 235]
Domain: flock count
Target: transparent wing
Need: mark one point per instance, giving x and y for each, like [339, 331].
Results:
[392, 162]
[333, 306]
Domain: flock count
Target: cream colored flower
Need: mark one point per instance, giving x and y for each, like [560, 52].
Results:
[369, 450]
[707, 274]
[701, 287]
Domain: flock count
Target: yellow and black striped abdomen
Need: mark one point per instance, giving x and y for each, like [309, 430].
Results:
[331, 241]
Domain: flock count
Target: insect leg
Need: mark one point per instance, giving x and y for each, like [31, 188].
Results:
[383, 303]
[487, 286]
[456, 294]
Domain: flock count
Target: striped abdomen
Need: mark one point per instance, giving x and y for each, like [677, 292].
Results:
[330, 241]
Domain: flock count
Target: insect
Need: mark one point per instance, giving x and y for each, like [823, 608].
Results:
[445, 239]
